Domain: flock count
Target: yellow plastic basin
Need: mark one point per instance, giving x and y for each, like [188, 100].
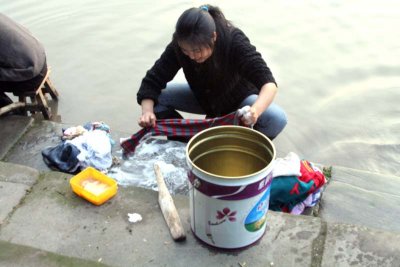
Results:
[93, 186]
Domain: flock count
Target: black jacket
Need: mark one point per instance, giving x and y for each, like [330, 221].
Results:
[22, 56]
[245, 72]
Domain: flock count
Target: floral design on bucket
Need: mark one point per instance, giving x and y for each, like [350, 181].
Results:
[221, 217]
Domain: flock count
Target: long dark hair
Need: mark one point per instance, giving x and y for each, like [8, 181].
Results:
[196, 27]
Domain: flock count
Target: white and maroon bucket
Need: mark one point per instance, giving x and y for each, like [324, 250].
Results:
[230, 177]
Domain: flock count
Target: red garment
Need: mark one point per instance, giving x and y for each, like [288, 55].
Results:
[308, 174]
[178, 127]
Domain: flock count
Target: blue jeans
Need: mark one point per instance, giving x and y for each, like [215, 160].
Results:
[178, 96]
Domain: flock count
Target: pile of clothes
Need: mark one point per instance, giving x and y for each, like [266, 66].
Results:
[296, 184]
[81, 147]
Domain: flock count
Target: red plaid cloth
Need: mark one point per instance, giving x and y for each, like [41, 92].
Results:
[178, 127]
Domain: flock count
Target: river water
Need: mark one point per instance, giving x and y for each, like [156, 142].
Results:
[336, 63]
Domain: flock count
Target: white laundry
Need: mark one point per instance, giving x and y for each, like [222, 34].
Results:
[287, 166]
[95, 148]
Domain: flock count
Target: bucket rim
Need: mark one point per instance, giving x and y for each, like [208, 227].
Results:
[192, 165]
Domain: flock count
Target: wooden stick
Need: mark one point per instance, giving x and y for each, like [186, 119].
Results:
[168, 208]
[11, 106]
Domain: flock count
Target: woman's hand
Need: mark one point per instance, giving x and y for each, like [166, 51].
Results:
[249, 115]
[148, 118]
[252, 117]
[264, 99]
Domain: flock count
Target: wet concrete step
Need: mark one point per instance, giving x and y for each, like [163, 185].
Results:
[66, 224]
[11, 130]
[362, 198]
[13, 255]
[15, 182]
[353, 196]
[51, 218]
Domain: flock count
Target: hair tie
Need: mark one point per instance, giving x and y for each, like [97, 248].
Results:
[204, 7]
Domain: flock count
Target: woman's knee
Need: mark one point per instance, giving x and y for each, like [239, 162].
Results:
[272, 121]
[178, 96]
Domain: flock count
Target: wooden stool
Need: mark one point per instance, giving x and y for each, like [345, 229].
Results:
[38, 100]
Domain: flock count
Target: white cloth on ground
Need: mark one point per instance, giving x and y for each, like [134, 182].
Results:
[95, 148]
[287, 166]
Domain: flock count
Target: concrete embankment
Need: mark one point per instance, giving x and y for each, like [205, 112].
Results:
[43, 223]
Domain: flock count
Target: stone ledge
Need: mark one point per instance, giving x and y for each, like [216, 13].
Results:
[362, 198]
[13, 255]
[11, 130]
